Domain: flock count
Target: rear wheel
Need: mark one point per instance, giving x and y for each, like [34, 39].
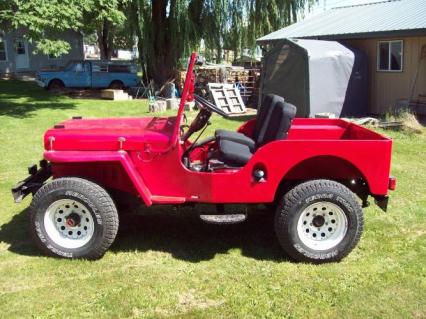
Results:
[319, 221]
[116, 85]
[73, 218]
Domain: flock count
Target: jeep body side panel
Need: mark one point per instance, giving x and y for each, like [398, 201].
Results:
[314, 149]
[165, 175]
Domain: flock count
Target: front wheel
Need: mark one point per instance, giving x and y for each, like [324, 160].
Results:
[319, 221]
[73, 218]
[56, 85]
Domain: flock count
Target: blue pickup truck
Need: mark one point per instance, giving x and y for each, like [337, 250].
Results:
[90, 74]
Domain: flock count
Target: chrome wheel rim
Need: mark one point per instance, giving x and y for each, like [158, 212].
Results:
[322, 225]
[69, 223]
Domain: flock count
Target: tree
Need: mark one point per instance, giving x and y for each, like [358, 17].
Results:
[168, 30]
[105, 18]
[45, 20]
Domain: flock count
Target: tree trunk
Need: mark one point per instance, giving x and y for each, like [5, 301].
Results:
[136, 16]
[105, 41]
[160, 42]
[162, 63]
[218, 55]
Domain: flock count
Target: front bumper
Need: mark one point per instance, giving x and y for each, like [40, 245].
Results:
[33, 182]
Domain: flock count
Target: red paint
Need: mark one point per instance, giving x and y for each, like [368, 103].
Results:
[91, 160]
[143, 156]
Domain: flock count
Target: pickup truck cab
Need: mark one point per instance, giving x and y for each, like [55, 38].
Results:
[90, 74]
[314, 175]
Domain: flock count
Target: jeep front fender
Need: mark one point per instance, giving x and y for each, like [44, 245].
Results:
[104, 156]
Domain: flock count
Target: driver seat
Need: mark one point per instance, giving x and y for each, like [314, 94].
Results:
[273, 123]
[263, 115]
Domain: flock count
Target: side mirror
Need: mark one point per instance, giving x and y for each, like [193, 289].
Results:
[199, 61]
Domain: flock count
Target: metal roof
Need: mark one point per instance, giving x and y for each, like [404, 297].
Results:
[402, 17]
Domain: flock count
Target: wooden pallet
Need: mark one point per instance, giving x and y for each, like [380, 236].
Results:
[227, 98]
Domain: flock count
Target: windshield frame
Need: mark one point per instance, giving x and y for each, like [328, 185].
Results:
[187, 89]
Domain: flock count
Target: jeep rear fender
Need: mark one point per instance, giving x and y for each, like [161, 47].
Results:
[119, 157]
[332, 167]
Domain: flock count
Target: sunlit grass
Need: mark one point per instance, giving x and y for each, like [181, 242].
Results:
[169, 264]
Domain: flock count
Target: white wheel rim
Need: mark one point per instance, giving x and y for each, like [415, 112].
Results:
[69, 223]
[322, 225]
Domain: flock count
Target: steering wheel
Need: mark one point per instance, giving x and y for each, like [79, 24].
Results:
[206, 104]
[198, 123]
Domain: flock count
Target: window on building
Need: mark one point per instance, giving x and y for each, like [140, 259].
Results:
[390, 55]
[3, 56]
[20, 46]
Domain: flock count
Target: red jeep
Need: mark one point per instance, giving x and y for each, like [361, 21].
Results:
[314, 173]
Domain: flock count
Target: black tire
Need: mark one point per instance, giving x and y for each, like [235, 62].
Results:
[308, 196]
[56, 85]
[116, 85]
[272, 207]
[103, 215]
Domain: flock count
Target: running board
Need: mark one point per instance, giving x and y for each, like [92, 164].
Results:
[224, 219]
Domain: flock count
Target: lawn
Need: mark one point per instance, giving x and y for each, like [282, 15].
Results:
[169, 264]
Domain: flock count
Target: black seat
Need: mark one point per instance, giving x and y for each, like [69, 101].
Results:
[268, 104]
[274, 126]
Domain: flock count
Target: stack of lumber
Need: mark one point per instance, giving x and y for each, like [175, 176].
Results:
[239, 73]
[248, 79]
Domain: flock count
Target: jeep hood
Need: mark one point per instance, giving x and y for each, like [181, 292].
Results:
[111, 134]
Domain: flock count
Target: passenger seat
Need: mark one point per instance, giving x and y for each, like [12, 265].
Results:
[273, 124]
[263, 115]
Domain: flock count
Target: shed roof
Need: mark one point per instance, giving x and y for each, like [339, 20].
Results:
[320, 48]
[401, 17]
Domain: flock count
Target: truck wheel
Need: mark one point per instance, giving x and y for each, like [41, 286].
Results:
[116, 85]
[73, 218]
[319, 221]
[56, 85]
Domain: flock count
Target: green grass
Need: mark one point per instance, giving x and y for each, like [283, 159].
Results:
[167, 264]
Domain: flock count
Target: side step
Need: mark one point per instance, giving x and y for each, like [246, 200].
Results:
[224, 219]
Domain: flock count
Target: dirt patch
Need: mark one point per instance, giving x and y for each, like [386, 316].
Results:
[192, 300]
[83, 94]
